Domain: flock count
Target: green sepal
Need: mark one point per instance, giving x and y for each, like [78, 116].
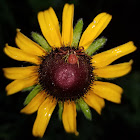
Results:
[60, 110]
[85, 108]
[41, 41]
[77, 32]
[78, 107]
[96, 45]
[28, 89]
[32, 94]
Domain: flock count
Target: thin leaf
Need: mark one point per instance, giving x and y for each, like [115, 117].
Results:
[60, 110]
[32, 94]
[28, 88]
[41, 41]
[96, 45]
[85, 109]
[77, 33]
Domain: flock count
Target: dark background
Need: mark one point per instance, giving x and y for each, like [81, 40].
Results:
[117, 121]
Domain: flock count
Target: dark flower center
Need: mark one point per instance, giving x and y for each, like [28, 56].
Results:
[66, 73]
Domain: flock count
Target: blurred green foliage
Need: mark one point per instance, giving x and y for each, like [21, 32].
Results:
[118, 121]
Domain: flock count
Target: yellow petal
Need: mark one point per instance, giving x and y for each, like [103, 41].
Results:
[20, 72]
[27, 45]
[67, 24]
[94, 101]
[69, 117]
[20, 55]
[107, 91]
[20, 84]
[107, 57]
[35, 103]
[113, 71]
[50, 27]
[43, 116]
[94, 29]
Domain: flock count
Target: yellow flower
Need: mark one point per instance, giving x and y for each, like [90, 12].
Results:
[66, 74]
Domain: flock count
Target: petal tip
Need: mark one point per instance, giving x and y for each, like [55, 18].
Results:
[132, 43]
[6, 45]
[18, 30]
[8, 93]
[67, 4]
[131, 61]
[22, 111]
[76, 133]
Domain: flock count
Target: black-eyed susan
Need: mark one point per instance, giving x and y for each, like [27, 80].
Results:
[65, 70]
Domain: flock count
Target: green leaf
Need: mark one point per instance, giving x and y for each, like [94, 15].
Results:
[85, 108]
[32, 94]
[77, 33]
[96, 45]
[60, 110]
[41, 41]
